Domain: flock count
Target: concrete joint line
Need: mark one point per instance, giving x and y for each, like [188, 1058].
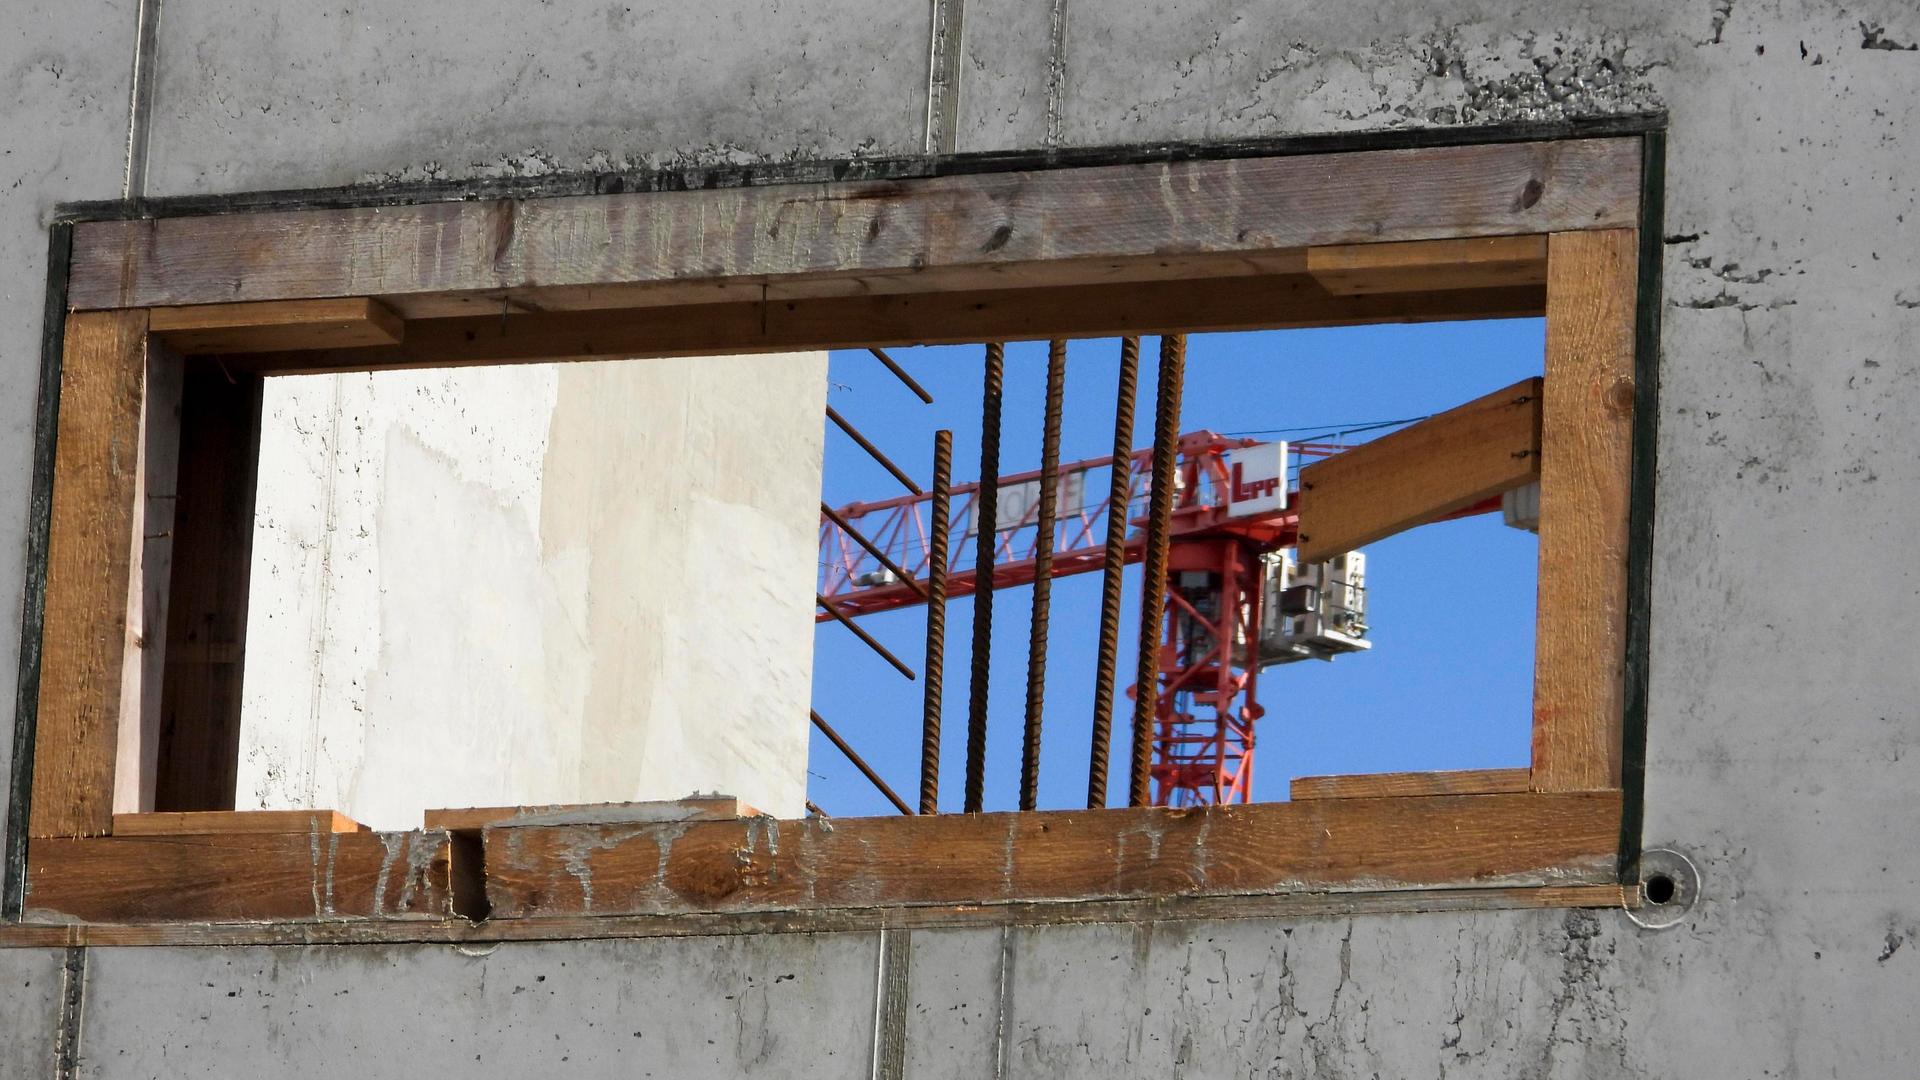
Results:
[1003, 1010]
[946, 43]
[891, 984]
[1056, 70]
[73, 997]
[140, 99]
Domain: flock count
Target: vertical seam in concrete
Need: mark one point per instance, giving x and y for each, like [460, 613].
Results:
[73, 996]
[1056, 70]
[140, 99]
[890, 1004]
[1003, 1011]
[946, 42]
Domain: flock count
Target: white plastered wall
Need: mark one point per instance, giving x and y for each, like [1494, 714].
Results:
[541, 584]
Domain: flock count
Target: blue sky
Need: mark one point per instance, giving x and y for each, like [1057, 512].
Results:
[1447, 684]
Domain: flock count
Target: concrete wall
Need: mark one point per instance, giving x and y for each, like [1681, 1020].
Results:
[1783, 728]
[544, 584]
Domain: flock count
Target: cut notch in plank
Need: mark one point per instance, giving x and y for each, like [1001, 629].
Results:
[1470, 263]
[1586, 465]
[1421, 473]
[217, 822]
[279, 325]
[694, 808]
[103, 370]
[1379, 785]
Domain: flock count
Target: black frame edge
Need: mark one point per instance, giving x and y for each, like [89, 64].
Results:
[692, 177]
[33, 601]
[1642, 486]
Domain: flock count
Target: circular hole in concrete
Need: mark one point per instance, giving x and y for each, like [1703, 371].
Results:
[1658, 889]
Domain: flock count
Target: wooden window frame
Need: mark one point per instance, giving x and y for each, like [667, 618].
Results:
[169, 324]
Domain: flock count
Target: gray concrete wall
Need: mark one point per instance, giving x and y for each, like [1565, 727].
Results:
[1782, 742]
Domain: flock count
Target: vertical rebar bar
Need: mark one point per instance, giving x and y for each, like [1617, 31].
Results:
[935, 666]
[1119, 496]
[986, 505]
[859, 762]
[1153, 577]
[1044, 521]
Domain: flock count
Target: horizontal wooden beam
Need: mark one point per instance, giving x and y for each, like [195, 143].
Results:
[240, 876]
[212, 822]
[697, 808]
[1248, 303]
[1380, 785]
[1478, 263]
[1421, 473]
[761, 864]
[278, 325]
[926, 229]
[818, 920]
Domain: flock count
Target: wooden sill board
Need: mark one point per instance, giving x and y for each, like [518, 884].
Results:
[697, 808]
[759, 864]
[1376, 785]
[234, 821]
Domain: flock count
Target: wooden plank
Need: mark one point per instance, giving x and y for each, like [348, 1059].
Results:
[136, 761]
[1250, 303]
[340, 323]
[1421, 473]
[1381, 785]
[924, 228]
[762, 864]
[695, 808]
[234, 821]
[1586, 444]
[89, 558]
[818, 920]
[207, 617]
[240, 877]
[1476, 263]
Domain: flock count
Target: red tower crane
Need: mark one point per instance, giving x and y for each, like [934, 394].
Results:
[1234, 515]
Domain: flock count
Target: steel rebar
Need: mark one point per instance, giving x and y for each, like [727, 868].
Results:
[885, 461]
[986, 504]
[1119, 497]
[858, 762]
[901, 374]
[873, 549]
[1153, 577]
[935, 666]
[861, 633]
[1044, 522]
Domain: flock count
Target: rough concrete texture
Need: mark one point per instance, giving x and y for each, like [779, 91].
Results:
[546, 584]
[1782, 744]
[31, 993]
[777, 1006]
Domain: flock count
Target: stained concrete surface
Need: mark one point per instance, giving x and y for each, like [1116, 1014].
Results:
[31, 985]
[1782, 727]
[568, 583]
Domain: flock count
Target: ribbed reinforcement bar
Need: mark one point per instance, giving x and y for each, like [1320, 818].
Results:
[1113, 568]
[935, 664]
[1042, 575]
[1153, 577]
[986, 502]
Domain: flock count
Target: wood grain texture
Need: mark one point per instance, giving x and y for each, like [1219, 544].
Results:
[762, 864]
[274, 325]
[239, 877]
[923, 227]
[234, 821]
[1380, 785]
[149, 575]
[1421, 473]
[818, 920]
[199, 754]
[89, 558]
[1586, 446]
[1248, 303]
[697, 808]
[1477, 263]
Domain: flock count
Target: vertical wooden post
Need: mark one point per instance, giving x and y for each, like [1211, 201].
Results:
[150, 577]
[207, 614]
[1586, 442]
[89, 551]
